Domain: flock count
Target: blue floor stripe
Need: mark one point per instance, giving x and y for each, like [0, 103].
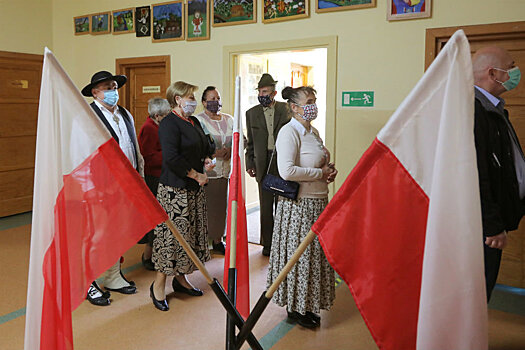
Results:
[12, 315]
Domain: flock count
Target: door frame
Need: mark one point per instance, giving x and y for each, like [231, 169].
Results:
[436, 38]
[124, 65]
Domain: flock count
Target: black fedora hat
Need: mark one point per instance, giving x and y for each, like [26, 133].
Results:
[100, 77]
[266, 80]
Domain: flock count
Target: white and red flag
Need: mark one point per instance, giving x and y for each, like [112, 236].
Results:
[404, 231]
[89, 207]
[236, 194]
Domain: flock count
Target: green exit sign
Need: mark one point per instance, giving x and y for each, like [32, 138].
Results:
[358, 99]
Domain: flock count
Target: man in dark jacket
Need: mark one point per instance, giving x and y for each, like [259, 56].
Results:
[263, 123]
[501, 164]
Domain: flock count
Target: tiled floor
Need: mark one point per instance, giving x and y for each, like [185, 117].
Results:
[131, 322]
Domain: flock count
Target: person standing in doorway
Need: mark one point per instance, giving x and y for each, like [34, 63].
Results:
[263, 123]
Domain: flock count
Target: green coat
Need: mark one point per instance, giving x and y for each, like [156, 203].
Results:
[257, 133]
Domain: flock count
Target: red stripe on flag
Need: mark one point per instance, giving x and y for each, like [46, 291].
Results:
[373, 234]
[103, 209]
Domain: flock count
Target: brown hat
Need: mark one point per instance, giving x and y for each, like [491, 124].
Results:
[266, 80]
[100, 77]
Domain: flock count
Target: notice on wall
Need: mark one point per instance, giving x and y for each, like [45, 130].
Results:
[151, 89]
[358, 99]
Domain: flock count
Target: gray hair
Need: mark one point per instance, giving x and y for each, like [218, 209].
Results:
[159, 106]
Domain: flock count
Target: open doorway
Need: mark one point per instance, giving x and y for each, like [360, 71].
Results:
[290, 68]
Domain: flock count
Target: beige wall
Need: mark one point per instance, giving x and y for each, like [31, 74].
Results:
[373, 54]
[26, 25]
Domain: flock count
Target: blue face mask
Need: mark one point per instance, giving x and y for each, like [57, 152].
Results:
[514, 78]
[110, 97]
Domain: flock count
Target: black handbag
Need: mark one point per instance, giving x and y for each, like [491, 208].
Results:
[278, 186]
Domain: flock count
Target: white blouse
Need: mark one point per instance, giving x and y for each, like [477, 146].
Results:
[222, 133]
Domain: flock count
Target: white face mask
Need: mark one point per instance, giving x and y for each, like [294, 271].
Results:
[188, 108]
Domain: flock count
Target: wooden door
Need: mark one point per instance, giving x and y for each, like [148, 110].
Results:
[20, 76]
[148, 77]
[510, 36]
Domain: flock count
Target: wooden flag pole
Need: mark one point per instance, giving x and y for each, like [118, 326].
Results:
[232, 277]
[214, 284]
[267, 296]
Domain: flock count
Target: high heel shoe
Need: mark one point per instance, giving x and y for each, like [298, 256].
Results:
[162, 305]
[177, 287]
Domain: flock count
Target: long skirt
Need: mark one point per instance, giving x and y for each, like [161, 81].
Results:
[310, 285]
[217, 203]
[187, 210]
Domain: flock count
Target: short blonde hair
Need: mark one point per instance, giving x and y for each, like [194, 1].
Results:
[179, 88]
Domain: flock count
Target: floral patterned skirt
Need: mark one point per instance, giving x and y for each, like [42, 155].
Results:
[310, 285]
[187, 210]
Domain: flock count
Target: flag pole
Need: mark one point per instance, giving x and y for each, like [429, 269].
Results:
[232, 277]
[265, 298]
[214, 284]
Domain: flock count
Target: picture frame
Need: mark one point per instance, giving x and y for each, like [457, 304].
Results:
[123, 21]
[82, 25]
[100, 23]
[285, 10]
[408, 9]
[197, 20]
[167, 21]
[233, 12]
[322, 6]
[142, 21]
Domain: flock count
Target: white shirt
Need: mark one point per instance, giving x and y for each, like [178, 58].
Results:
[222, 133]
[124, 139]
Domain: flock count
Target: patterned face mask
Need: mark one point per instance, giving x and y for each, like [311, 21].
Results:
[213, 106]
[310, 112]
[265, 100]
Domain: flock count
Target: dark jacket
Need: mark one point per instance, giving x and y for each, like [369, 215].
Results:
[501, 207]
[184, 147]
[257, 133]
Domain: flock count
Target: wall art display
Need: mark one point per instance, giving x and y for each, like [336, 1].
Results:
[168, 21]
[338, 5]
[407, 9]
[230, 12]
[197, 20]
[124, 21]
[284, 10]
[100, 23]
[81, 25]
[142, 21]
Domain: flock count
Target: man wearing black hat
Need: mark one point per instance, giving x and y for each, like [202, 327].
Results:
[263, 123]
[119, 122]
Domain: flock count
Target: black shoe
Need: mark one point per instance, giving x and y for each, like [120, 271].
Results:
[148, 264]
[162, 305]
[131, 283]
[124, 290]
[96, 296]
[302, 320]
[266, 251]
[219, 247]
[315, 317]
[177, 287]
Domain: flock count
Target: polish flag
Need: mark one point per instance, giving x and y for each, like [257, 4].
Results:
[236, 193]
[404, 231]
[89, 207]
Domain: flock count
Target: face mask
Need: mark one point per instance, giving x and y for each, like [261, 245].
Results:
[310, 112]
[514, 78]
[110, 97]
[265, 101]
[189, 107]
[213, 106]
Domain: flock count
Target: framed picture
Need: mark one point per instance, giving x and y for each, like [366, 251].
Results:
[285, 10]
[167, 21]
[124, 21]
[81, 25]
[230, 12]
[341, 5]
[142, 21]
[100, 23]
[197, 20]
[408, 9]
